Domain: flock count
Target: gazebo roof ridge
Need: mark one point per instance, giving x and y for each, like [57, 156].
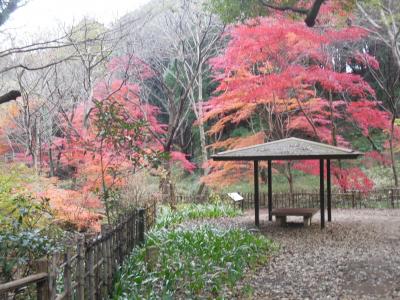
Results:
[322, 144]
[294, 139]
[292, 148]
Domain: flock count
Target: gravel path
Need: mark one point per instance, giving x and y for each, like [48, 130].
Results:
[357, 256]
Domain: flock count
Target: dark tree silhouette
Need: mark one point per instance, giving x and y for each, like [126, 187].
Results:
[6, 9]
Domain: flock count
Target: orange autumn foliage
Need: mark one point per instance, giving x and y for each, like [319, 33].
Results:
[74, 210]
[228, 172]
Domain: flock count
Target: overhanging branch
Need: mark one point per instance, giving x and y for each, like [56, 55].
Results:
[311, 14]
[302, 11]
[11, 95]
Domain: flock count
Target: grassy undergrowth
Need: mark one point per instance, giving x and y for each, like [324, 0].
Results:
[187, 264]
[167, 218]
[179, 263]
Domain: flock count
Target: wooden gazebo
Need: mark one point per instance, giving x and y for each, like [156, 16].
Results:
[289, 149]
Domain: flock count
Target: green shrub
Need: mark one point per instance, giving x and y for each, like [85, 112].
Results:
[182, 264]
[19, 249]
[24, 235]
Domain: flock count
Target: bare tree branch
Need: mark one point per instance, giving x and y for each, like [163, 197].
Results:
[11, 95]
[311, 14]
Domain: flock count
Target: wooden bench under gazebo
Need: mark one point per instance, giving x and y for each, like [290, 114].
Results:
[281, 214]
[290, 149]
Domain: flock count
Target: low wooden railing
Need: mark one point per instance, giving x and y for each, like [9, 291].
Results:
[380, 198]
[40, 279]
[85, 270]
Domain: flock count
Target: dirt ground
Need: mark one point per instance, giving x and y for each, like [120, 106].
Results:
[357, 256]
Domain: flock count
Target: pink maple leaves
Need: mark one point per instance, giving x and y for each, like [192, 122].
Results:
[278, 70]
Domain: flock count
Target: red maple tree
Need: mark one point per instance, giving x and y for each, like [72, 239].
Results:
[282, 79]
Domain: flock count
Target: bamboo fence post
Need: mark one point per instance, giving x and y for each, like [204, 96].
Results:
[124, 232]
[53, 277]
[114, 248]
[133, 228]
[80, 269]
[122, 241]
[96, 269]
[136, 223]
[109, 262]
[128, 234]
[141, 225]
[107, 279]
[392, 197]
[42, 287]
[119, 248]
[91, 288]
[67, 275]
[104, 272]
[99, 269]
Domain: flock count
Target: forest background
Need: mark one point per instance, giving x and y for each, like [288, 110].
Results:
[95, 119]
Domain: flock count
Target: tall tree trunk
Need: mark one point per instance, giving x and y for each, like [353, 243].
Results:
[392, 158]
[105, 193]
[333, 128]
[36, 148]
[332, 119]
[203, 190]
[51, 163]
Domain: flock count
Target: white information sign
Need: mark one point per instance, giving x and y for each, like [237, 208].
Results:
[235, 196]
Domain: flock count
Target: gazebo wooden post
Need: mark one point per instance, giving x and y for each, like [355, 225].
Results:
[322, 192]
[256, 195]
[270, 190]
[328, 188]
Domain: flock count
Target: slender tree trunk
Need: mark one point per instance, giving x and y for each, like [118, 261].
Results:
[392, 158]
[332, 119]
[36, 148]
[290, 179]
[105, 194]
[333, 128]
[203, 190]
[51, 163]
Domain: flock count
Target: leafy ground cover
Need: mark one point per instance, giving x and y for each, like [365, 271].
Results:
[188, 264]
[179, 263]
[166, 217]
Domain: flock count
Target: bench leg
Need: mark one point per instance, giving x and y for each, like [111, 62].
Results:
[281, 220]
[307, 221]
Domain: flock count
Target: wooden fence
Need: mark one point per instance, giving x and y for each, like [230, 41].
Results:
[379, 198]
[85, 270]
